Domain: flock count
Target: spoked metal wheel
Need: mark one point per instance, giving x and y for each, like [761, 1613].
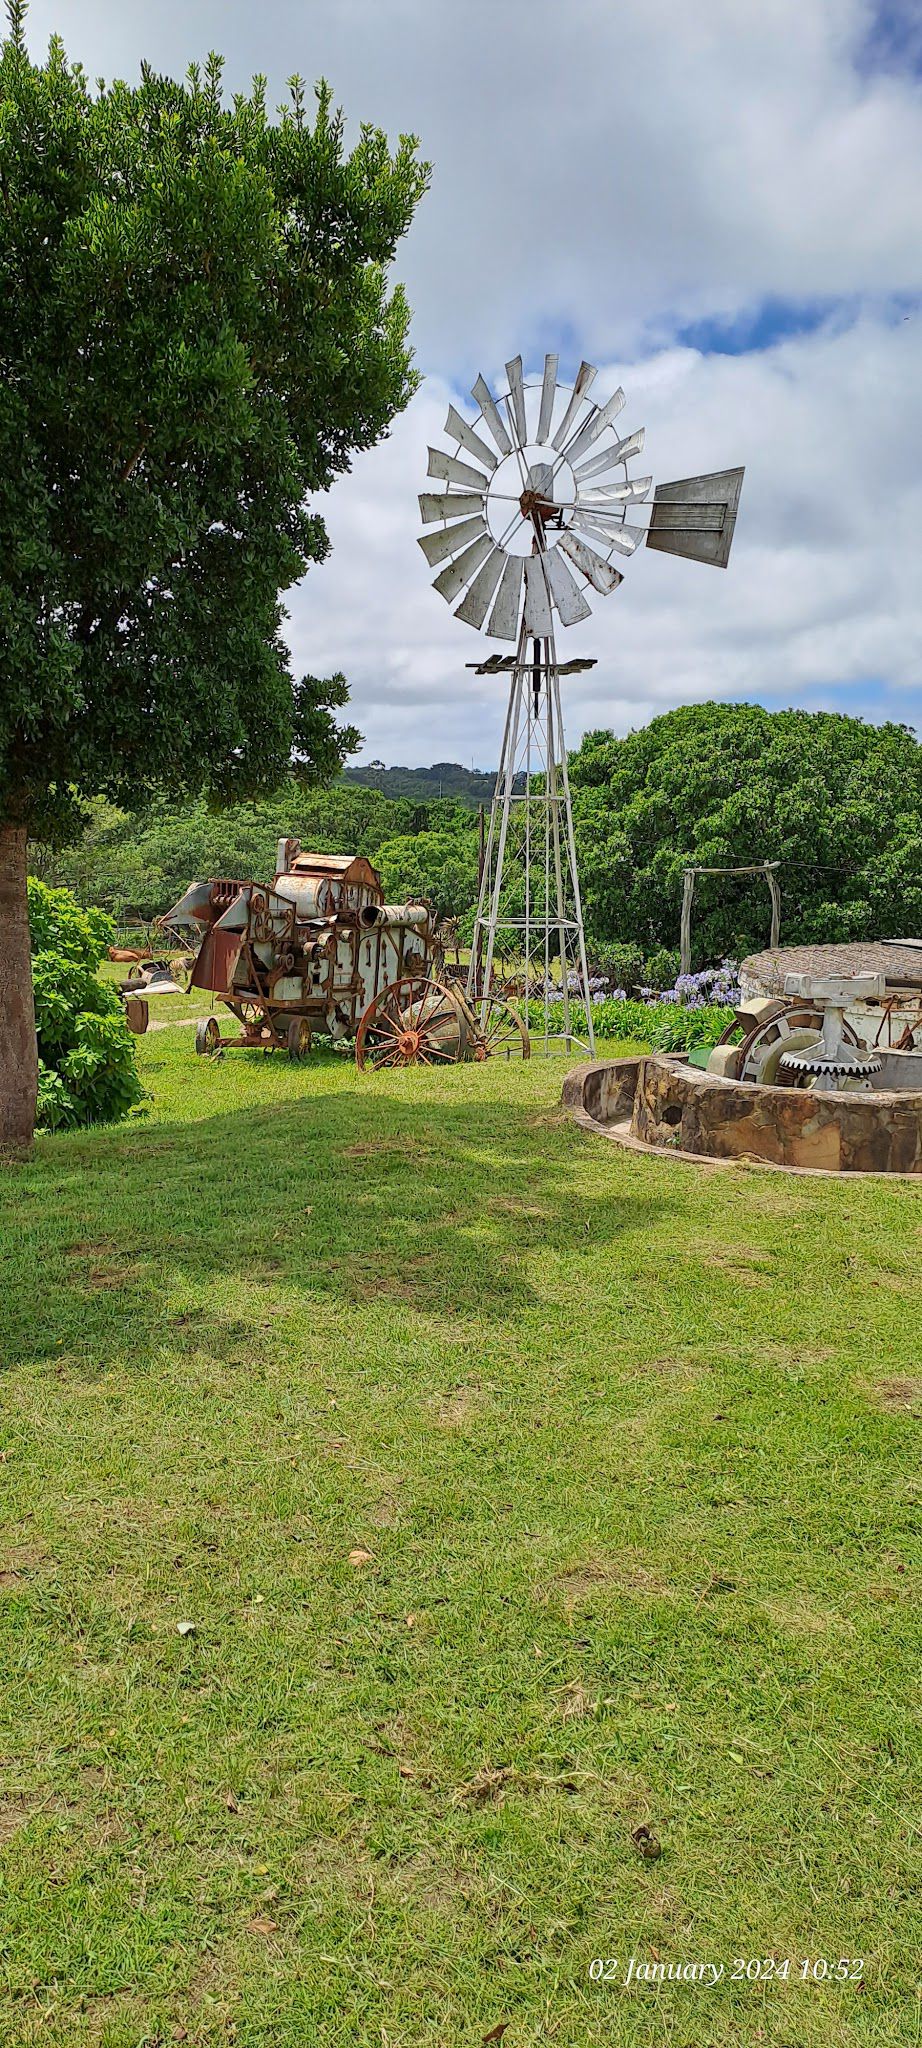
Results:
[499, 1032]
[412, 1022]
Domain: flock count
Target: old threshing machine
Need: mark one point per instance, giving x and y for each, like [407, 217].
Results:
[319, 951]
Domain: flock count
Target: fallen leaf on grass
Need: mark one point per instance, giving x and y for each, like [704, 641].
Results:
[496, 2033]
[360, 1556]
[262, 1926]
[645, 1840]
[185, 1628]
[231, 1802]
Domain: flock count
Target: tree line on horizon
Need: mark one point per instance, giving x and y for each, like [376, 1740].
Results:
[837, 801]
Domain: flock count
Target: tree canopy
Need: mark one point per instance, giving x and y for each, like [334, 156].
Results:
[198, 331]
[197, 334]
[836, 801]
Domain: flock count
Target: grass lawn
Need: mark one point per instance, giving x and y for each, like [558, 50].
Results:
[521, 1493]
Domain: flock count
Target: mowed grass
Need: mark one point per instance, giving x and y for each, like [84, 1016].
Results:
[521, 1492]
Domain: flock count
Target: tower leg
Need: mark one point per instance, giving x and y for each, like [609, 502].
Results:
[530, 882]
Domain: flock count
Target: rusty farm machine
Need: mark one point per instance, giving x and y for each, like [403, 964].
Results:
[320, 952]
[534, 506]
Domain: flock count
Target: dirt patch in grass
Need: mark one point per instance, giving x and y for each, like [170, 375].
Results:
[108, 1265]
[619, 1575]
[513, 1205]
[803, 1615]
[457, 1409]
[666, 1368]
[411, 1282]
[16, 1810]
[745, 1264]
[899, 1395]
[207, 2000]
[429, 1885]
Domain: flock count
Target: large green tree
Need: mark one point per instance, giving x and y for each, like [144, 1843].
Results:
[196, 333]
[836, 801]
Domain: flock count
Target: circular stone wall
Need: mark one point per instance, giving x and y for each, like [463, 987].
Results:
[662, 1102]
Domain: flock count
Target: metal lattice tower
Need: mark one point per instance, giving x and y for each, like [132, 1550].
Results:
[527, 522]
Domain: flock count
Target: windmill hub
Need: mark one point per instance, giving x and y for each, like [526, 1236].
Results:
[539, 501]
[525, 487]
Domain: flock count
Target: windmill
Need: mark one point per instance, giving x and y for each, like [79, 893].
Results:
[538, 504]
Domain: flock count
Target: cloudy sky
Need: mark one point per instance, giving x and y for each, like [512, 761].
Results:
[721, 205]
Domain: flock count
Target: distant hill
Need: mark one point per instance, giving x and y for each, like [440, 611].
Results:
[471, 786]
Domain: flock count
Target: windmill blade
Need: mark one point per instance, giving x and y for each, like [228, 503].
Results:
[449, 539]
[602, 575]
[696, 516]
[548, 394]
[453, 579]
[460, 431]
[565, 590]
[452, 471]
[619, 452]
[596, 426]
[611, 531]
[503, 623]
[517, 399]
[538, 620]
[492, 417]
[448, 505]
[474, 608]
[616, 493]
[584, 377]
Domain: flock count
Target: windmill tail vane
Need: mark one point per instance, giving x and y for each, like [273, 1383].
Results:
[539, 502]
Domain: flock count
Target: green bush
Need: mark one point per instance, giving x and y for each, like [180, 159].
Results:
[623, 966]
[87, 1072]
[662, 967]
[665, 1027]
[677, 1029]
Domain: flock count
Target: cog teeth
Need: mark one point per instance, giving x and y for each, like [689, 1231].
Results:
[844, 1062]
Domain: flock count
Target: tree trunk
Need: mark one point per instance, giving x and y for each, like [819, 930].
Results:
[18, 1051]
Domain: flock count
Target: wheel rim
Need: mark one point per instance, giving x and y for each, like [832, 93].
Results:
[413, 1022]
[502, 1035]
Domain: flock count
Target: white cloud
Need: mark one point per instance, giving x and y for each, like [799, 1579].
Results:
[604, 175]
[596, 168]
[822, 589]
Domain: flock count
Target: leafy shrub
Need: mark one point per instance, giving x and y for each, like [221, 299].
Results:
[87, 1072]
[57, 924]
[677, 1029]
[622, 966]
[661, 968]
[664, 1026]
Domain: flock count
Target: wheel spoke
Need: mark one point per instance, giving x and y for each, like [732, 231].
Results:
[436, 1017]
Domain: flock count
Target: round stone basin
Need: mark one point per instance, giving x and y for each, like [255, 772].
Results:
[660, 1102]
